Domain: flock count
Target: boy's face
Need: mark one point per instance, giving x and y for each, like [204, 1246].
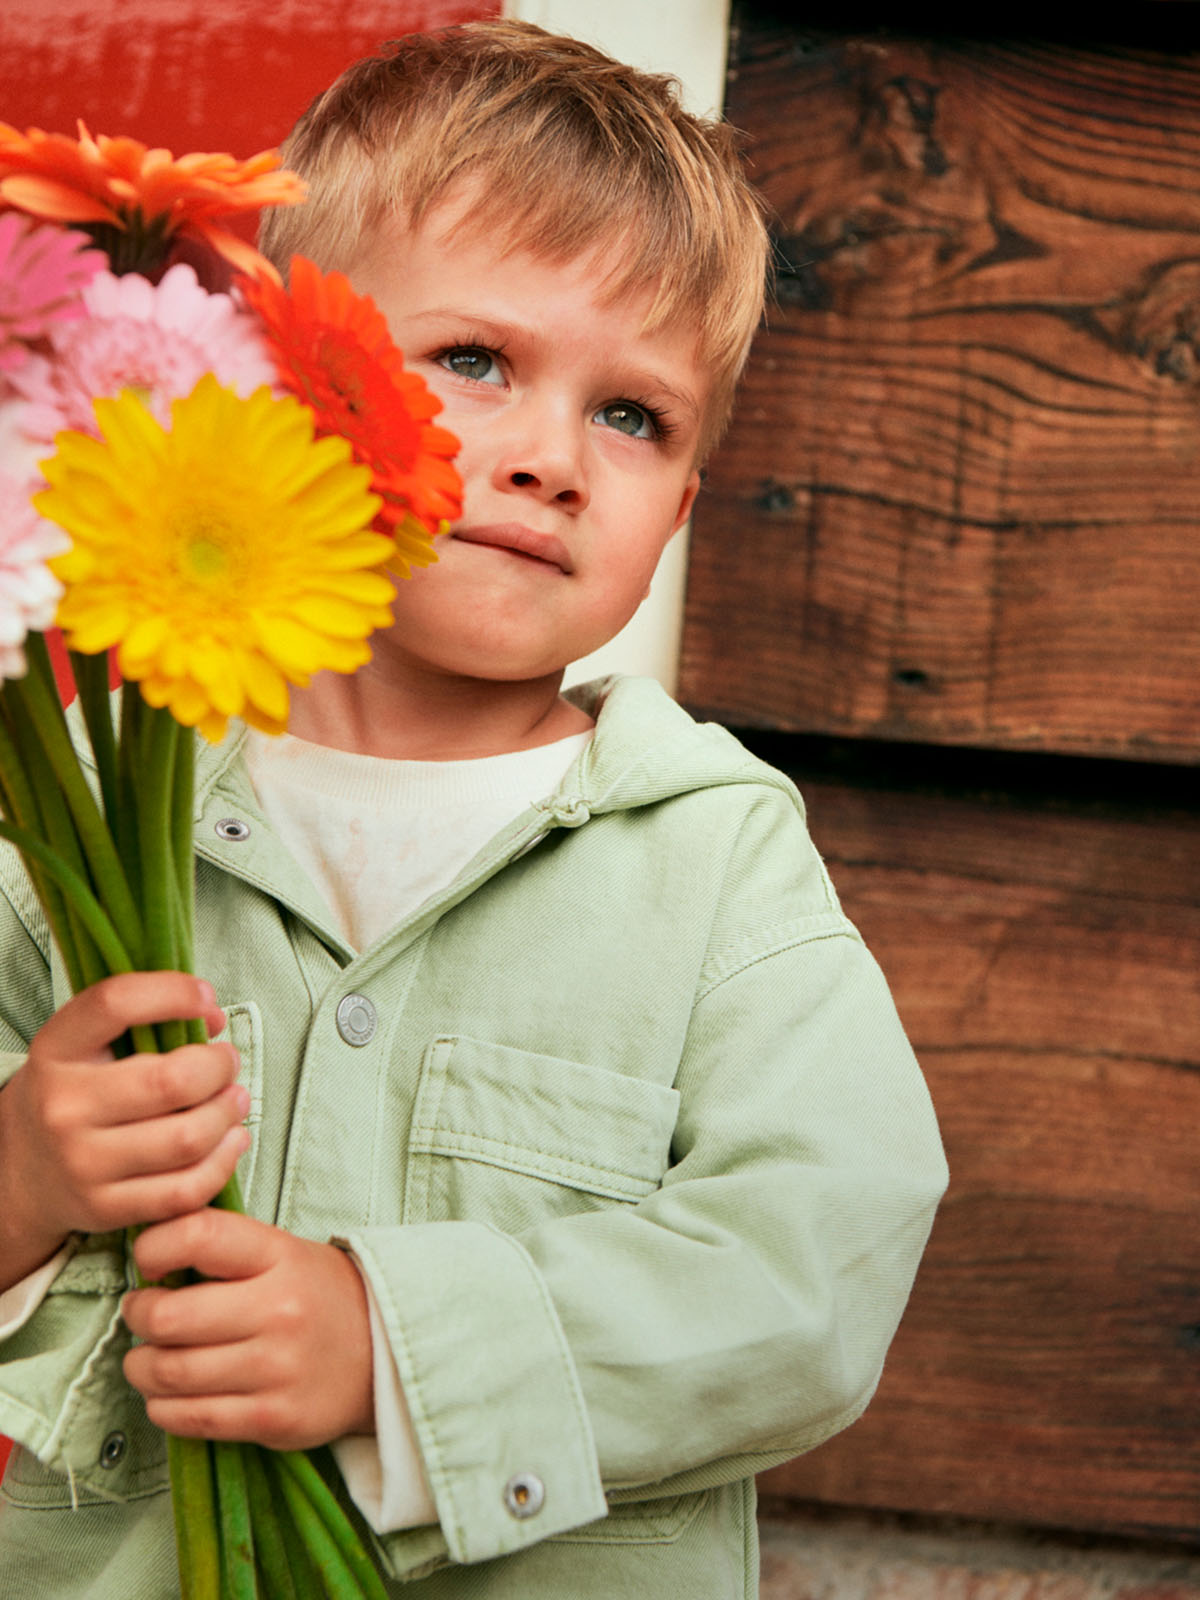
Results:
[579, 436]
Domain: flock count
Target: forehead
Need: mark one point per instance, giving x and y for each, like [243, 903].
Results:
[460, 254]
[611, 252]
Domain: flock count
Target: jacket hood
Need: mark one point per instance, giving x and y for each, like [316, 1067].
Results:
[647, 748]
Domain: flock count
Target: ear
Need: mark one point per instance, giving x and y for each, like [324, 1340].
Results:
[687, 499]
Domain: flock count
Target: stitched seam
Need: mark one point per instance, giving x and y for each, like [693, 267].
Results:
[438, 1141]
[11, 1406]
[382, 1058]
[846, 931]
[749, 1538]
[656, 1528]
[28, 913]
[77, 1393]
[417, 1181]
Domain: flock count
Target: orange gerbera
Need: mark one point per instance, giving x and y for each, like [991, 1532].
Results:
[333, 351]
[146, 195]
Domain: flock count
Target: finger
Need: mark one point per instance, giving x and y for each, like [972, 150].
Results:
[143, 1087]
[173, 1143]
[208, 1313]
[87, 1024]
[216, 1244]
[263, 1419]
[176, 1371]
[162, 1196]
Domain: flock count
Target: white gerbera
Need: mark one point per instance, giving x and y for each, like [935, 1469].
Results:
[29, 593]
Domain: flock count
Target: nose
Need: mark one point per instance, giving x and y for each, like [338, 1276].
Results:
[541, 453]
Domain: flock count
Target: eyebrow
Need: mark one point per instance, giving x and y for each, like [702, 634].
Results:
[684, 401]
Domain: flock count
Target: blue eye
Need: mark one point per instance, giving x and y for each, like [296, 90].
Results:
[625, 417]
[469, 361]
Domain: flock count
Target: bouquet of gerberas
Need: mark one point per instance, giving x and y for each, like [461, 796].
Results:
[216, 488]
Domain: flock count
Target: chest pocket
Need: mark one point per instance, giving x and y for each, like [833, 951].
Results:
[514, 1138]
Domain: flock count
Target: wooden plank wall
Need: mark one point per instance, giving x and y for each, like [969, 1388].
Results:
[1043, 945]
[967, 455]
[946, 570]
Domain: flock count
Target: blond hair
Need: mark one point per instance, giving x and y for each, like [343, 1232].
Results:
[575, 153]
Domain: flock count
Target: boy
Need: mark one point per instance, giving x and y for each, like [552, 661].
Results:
[590, 1166]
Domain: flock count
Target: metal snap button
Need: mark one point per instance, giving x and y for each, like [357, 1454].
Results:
[524, 1494]
[233, 829]
[356, 1019]
[112, 1450]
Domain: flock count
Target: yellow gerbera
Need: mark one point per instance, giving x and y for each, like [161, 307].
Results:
[224, 557]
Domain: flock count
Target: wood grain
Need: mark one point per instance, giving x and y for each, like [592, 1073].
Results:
[1044, 958]
[958, 502]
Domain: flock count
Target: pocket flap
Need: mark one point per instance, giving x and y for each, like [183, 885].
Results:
[582, 1126]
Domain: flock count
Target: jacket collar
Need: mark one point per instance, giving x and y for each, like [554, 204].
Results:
[646, 749]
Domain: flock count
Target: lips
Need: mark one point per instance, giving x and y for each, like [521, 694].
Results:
[521, 541]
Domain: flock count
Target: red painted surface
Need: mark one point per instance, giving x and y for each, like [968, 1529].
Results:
[192, 74]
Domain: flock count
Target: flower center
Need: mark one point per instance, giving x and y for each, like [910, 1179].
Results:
[205, 555]
[342, 359]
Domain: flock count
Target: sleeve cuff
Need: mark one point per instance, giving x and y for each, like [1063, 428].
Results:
[383, 1472]
[19, 1302]
[491, 1387]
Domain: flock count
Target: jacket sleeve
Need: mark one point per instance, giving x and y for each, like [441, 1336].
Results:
[738, 1314]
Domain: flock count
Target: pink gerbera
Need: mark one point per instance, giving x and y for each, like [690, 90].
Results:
[29, 593]
[42, 273]
[157, 339]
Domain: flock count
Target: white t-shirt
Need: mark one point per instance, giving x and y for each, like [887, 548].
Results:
[378, 837]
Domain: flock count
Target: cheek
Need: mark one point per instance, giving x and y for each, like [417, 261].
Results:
[472, 459]
[630, 571]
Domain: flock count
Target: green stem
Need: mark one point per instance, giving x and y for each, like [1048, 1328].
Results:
[337, 1578]
[79, 897]
[160, 877]
[91, 683]
[38, 691]
[183, 789]
[194, 1500]
[51, 821]
[183, 853]
[275, 1561]
[19, 806]
[237, 1533]
[126, 832]
[230, 1197]
[324, 1525]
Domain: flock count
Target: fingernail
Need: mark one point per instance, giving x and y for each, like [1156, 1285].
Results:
[242, 1100]
[207, 992]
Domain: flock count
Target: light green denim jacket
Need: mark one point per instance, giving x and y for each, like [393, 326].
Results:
[638, 1161]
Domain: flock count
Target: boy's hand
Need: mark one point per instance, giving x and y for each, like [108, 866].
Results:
[275, 1348]
[90, 1143]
